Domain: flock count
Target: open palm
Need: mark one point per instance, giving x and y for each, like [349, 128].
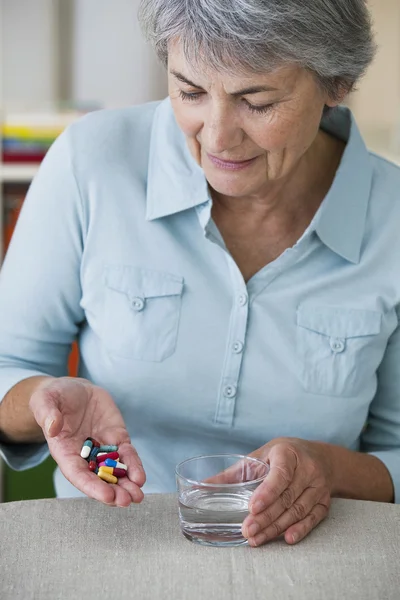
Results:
[71, 410]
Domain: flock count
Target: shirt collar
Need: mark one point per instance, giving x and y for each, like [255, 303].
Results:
[176, 182]
[340, 220]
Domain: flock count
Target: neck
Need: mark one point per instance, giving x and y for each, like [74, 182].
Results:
[295, 197]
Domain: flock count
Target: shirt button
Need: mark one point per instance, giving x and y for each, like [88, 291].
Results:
[242, 300]
[337, 346]
[230, 391]
[237, 347]
[137, 304]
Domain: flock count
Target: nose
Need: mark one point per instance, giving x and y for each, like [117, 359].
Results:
[221, 132]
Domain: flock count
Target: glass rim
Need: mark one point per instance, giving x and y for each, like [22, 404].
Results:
[219, 485]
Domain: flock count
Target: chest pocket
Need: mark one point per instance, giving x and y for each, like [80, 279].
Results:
[142, 310]
[339, 349]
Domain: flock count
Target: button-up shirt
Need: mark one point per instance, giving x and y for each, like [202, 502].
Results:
[116, 247]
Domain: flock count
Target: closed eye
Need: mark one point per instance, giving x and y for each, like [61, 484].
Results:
[190, 96]
[261, 110]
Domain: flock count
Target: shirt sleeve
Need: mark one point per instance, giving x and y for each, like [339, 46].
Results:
[381, 437]
[40, 289]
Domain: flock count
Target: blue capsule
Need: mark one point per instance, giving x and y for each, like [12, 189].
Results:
[93, 453]
[108, 448]
[109, 462]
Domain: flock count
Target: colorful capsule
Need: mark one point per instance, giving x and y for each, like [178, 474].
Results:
[102, 457]
[101, 464]
[107, 477]
[93, 454]
[108, 448]
[116, 472]
[86, 449]
[106, 470]
[95, 443]
[113, 463]
[119, 472]
[92, 465]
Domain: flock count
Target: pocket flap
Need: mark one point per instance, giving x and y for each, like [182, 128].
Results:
[339, 322]
[144, 283]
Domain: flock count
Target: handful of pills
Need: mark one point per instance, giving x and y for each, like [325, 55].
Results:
[103, 460]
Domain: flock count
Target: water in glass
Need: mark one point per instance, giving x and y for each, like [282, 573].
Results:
[214, 517]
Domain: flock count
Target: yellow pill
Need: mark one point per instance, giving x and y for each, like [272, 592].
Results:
[107, 477]
[106, 470]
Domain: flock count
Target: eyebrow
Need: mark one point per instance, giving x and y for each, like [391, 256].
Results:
[256, 89]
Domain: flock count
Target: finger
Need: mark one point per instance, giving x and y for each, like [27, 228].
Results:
[300, 530]
[135, 476]
[228, 476]
[44, 406]
[134, 492]
[242, 470]
[297, 512]
[283, 463]
[255, 523]
[122, 496]
[131, 459]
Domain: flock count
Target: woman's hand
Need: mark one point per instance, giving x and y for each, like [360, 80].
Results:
[295, 495]
[69, 411]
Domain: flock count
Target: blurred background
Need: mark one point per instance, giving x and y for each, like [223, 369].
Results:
[62, 58]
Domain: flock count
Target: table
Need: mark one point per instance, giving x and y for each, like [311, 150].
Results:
[79, 549]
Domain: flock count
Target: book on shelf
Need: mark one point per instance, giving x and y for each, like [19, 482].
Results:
[26, 137]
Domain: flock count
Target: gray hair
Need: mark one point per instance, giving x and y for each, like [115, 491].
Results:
[331, 38]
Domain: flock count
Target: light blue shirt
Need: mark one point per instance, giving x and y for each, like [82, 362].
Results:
[115, 245]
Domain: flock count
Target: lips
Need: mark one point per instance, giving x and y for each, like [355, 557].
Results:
[230, 165]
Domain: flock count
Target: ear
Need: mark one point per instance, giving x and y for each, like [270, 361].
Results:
[342, 89]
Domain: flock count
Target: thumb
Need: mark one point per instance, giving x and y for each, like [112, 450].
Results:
[44, 406]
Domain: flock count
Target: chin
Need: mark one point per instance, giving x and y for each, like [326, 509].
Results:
[235, 186]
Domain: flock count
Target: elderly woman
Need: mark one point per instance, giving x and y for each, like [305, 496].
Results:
[228, 260]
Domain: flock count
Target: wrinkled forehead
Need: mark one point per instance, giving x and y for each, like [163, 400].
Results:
[197, 66]
[218, 57]
[232, 75]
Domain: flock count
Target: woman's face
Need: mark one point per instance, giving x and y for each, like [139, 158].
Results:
[245, 132]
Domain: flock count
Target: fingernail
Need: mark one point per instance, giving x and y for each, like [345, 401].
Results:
[259, 539]
[253, 529]
[49, 422]
[257, 507]
[295, 537]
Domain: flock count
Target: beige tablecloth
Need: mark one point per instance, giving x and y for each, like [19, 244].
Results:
[79, 549]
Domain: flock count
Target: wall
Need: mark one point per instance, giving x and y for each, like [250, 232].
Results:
[98, 44]
[377, 103]
[28, 65]
[111, 61]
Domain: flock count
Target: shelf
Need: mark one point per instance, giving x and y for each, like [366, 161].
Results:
[18, 173]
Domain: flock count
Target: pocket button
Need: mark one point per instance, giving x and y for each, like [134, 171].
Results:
[237, 347]
[137, 304]
[337, 346]
[230, 391]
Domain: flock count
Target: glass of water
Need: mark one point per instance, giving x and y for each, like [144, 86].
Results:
[214, 493]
